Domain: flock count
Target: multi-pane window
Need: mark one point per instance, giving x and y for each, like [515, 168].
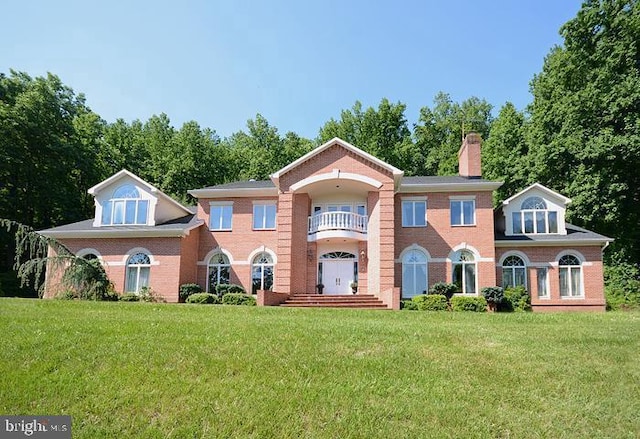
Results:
[414, 273]
[264, 216]
[534, 217]
[414, 213]
[464, 272]
[262, 272]
[463, 212]
[218, 271]
[543, 289]
[138, 268]
[125, 207]
[513, 272]
[220, 216]
[570, 276]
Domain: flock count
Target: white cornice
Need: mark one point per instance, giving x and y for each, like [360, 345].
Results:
[449, 187]
[233, 192]
[101, 232]
[562, 242]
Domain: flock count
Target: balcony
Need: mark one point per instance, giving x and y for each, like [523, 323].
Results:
[337, 225]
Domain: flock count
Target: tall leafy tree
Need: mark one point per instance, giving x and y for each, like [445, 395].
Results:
[505, 153]
[382, 132]
[585, 120]
[439, 131]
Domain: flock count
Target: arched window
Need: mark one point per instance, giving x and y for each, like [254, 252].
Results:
[570, 276]
[90, 256]
[218, 271]
[261, 272]
[514, 272]
[125, 207]
[534, 217]
[138, 267]
[464, 271]
[414, 273]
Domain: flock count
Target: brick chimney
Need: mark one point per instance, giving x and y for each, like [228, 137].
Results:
[469, 156]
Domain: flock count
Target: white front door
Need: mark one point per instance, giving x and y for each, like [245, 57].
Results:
[336, 276]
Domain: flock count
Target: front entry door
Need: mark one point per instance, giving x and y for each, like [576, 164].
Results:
[337, 275]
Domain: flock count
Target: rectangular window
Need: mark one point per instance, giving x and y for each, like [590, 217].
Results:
[106, 213]
[543, 291]
[264, 216]
[143, 208]
[517, 222]
[221, 215]
[414, 213]
[463, 212]
[553, 222]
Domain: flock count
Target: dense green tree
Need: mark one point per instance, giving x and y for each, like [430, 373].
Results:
[505, 153]
[382, 132]
[439, 131]
[585, 130]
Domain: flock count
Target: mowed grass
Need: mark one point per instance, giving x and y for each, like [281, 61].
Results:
[166, 370]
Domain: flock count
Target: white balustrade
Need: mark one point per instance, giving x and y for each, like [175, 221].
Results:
[338, 221]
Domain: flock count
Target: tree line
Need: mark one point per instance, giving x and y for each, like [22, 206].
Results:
[580, 136]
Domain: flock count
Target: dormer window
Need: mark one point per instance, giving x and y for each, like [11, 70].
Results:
[534, 218]
[125, 207]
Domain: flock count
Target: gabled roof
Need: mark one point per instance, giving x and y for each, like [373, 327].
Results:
[397, 173]
[250, 188]
[542, 188]
[151, 188]
[450, 183]
[84, 229]
[575, 236]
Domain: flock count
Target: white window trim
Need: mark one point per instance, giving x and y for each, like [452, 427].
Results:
[525, 267]
[547, 284]
[413, 200]
[210, 265]
[460, 198]
[264, 203]
[581, 258]
[476, 258]
[220, 204]
[535, 222]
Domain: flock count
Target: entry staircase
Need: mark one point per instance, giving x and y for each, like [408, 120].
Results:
[353, 301]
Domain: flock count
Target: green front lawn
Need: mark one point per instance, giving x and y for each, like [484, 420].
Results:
[167, 370]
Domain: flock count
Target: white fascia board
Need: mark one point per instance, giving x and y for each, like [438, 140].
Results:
[563, 243]
[124, 233]
[449, 187]
[233, 193]
[546, 190]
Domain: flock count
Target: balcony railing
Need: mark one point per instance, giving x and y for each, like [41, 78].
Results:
[338, 221]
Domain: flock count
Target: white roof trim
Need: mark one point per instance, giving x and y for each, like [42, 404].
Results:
[122, 173]
[233, 192]
[542, 188]
[558, 243]
[337, 141]
[449, 187]
[99, 232]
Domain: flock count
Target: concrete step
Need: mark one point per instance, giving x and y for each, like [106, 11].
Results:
[365, 301]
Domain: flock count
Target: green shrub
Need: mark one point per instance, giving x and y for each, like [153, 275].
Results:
[431, 302]
[187, 290]
[146, 294]
[203, 298]
[468, 303]
[622, 286]
[66, 295]
[238, 299]
[516, 299]
[493, 295]
[222, 289]
[445, 289]
[409, 305]
[129, 297]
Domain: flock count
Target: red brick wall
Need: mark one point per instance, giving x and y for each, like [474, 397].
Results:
[241, 241]
[189, 257]
[592, 276]
[440, 237]
[166, 252]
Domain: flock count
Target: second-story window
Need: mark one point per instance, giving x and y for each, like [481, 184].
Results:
[221, 215]
[534, 217]
[264, 216]
[414, 213]
[463, 212]
[125, 207]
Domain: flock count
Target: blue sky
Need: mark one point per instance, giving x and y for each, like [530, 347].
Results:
[298, 63]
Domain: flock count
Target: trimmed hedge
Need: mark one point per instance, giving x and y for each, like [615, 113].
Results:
[187, 290]
[203, 298]
[516, 299]
[238, 299]
[129, 297]
[445, 289]
[468, 303]
[409, 305]
[431, 302]
[222, 289]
